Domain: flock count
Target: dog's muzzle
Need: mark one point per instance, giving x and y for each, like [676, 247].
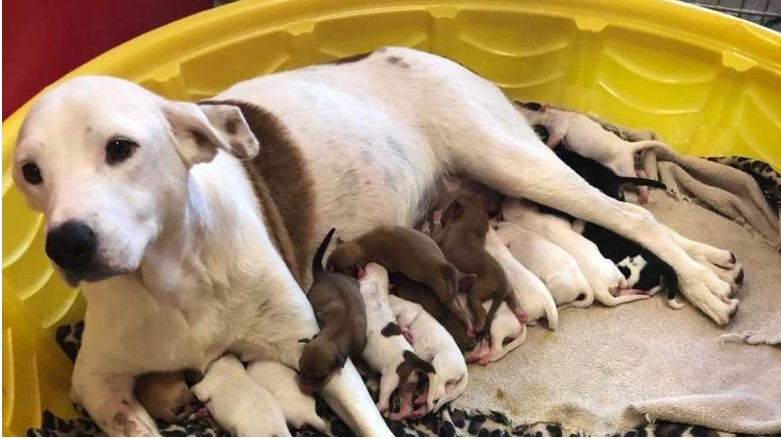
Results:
[73, 247]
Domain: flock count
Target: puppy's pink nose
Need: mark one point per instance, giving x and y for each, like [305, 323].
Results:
[361, 273]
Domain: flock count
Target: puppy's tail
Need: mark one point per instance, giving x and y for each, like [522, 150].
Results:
[645, 144]
[634, 181]
[458, 389]
[317, 262]
[432, 391]
[551, 312]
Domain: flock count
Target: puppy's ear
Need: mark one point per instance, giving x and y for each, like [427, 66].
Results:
[201, 130]
[340, 360]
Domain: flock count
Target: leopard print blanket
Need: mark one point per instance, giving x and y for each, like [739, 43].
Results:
[447, 422]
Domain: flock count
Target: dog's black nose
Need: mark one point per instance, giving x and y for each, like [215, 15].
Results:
[72, 245]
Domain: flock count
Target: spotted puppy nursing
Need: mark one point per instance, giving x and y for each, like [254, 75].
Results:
[407, 251]
[433, 344]
[387, 351]
[416, 292]
[338, 306]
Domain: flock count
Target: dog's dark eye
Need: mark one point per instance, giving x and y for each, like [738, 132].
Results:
[32, 173]
[118, 150]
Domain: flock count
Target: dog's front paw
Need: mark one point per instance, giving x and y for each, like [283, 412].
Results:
[710, 294]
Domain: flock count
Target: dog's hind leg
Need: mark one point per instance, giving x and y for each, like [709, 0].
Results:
[502, 151]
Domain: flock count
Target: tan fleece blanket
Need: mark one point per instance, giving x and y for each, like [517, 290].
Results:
[607, 370]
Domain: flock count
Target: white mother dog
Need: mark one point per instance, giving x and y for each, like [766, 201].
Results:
[183, 251]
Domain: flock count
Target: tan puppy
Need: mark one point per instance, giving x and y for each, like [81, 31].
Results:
[463, 242]
[165, 395]
[406, 251]
[340, 311]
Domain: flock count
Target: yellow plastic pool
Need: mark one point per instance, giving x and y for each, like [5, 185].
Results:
[709, 84]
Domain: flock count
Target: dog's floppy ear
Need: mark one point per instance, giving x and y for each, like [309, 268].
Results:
[200, 130]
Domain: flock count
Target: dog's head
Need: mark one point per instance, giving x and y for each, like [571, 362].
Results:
[108, 164]
[347, 258]
[319, 361]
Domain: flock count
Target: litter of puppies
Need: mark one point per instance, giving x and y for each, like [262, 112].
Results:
[417, 305]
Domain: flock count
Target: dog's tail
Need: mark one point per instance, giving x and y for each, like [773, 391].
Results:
[551, 312]
[317, 262]
[456, 391]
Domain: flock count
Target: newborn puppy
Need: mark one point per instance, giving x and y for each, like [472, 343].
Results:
[387, 351]
[587, 138]
[653, 272]
[297, 406]
[643, 270]
[600, 176]
[338, 306]
[406, 251]
[535, 299]
[434, 344]
[549, 262]
[463, 241]
[238, 403]
[165, 395]
[410, 290]
[601, 273]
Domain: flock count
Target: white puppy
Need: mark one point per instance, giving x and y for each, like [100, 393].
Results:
[534, 297]
[387, 350]
[552, 264]
[603, 276]
[237, 402]
[282, 382]
[434, 344]
[589, 139]
[149, 208]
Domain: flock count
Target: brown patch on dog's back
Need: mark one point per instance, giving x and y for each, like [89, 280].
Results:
[351, 58]
[283, 185]
[391, 329]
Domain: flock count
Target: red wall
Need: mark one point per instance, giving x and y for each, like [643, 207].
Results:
[45, 39]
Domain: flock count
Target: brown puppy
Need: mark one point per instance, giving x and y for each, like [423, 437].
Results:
[338, 305]
[463, 242]
[406, 251]
[408, 289]
[166, 395]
